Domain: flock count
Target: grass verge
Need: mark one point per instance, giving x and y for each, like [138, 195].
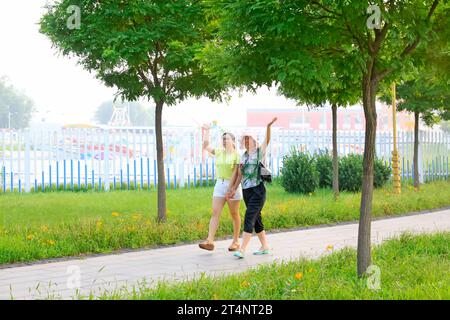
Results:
[411, 267]
[50, 225]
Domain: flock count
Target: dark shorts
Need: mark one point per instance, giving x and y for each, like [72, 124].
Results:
[254, 199]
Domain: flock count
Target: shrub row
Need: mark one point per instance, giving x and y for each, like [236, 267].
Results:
[303, 173]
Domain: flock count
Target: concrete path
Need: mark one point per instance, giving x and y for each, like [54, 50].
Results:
[112, 272]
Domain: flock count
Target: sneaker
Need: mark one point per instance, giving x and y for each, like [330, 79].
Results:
[238, 254]
[206, 246]
[261, 252]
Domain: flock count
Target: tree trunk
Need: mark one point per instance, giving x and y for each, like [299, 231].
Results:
[369, 97]
[335, 154]
[160, 163]
[416, 150]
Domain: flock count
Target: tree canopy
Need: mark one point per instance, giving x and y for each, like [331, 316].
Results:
[142, 48]
[424, 88]
[259, 43]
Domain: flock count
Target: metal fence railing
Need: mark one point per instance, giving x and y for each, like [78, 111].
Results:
[124, 158]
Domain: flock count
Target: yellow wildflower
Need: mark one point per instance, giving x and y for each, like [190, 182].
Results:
[115, 214]
[245, 284]
[329, 247]
[44, 228]
[298, 275]
[137, 216]
[282, 208]
[30, 237]
[51, 242]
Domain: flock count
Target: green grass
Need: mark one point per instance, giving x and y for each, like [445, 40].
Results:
[48, 225]
[411, 267]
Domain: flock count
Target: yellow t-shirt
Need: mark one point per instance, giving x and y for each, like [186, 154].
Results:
[225, 163]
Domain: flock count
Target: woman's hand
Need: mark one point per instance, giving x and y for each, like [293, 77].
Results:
[205, 144]
[272, 122]
[230, 194]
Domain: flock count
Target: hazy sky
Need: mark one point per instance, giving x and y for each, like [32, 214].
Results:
[64, 92]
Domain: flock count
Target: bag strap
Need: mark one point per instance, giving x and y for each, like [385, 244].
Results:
[258, 177]
[247, 158]
[259, 159]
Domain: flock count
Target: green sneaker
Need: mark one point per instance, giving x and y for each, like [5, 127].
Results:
[261, 252]
[238, 254]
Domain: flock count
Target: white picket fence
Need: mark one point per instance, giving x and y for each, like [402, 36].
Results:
[114, 158]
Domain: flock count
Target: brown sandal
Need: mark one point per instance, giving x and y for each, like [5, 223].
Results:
[234, 246]
[206, 246]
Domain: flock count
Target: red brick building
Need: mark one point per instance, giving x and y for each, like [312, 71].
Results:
[351, 118]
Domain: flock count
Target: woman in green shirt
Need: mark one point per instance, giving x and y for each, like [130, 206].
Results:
[227, 159]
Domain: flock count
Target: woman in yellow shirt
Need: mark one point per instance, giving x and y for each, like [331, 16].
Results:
[227, 159]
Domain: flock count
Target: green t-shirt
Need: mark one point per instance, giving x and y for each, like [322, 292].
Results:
[225, 163]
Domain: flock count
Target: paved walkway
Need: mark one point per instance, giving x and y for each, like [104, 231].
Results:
[109, 272]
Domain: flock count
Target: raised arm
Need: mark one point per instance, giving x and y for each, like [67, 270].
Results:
[268, 135]
[206, 142]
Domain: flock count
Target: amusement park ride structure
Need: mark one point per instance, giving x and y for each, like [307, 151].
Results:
[120, 116]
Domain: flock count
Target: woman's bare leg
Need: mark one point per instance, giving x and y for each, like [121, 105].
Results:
[217, 207]
[245, 240]
[233, 205]
[262, 238]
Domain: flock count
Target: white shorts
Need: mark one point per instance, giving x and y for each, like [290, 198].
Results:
[221, 188]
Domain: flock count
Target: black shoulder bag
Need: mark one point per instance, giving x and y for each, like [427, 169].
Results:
[264, 173]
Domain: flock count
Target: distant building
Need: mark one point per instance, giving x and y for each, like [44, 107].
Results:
[351, 118]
